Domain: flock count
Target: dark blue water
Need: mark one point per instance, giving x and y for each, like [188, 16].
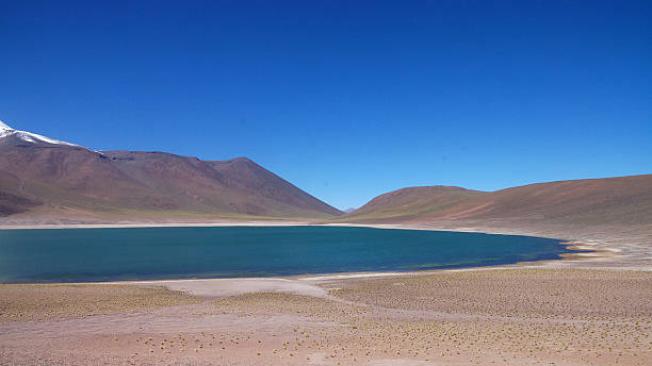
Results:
[162, 253]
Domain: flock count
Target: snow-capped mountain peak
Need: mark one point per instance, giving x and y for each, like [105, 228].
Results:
[3, 126]
[6, 131]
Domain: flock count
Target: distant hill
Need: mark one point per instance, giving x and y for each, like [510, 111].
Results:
[622, 200]
[412, 202]
[59, 181]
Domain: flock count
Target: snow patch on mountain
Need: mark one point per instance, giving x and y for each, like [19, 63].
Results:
[6, 131]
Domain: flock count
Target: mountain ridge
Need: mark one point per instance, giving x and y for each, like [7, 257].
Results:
[40, 176]
[54, 181]
[625, 199]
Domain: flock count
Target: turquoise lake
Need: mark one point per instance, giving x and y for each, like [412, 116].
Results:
[72, 255]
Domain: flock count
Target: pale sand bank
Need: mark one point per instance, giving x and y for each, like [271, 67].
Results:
[472, 317]
[127, 225]
[237, 286]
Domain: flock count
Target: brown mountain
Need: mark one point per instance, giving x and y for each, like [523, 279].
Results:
[57, 181]
[622, 200]
[412, 202]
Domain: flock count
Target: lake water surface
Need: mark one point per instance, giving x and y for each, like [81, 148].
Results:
[66, 255]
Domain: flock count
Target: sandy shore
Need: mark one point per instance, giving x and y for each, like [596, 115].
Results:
[126, 225]
[483, 317]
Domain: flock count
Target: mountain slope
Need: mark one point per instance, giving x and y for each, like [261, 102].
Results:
[414, 202]
[622, 200]
[43, 177]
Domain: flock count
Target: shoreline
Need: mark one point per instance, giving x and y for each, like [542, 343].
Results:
[145, 225]
[581, 245]
[580, 253]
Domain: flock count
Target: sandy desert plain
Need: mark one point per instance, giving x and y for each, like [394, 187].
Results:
[587, 309]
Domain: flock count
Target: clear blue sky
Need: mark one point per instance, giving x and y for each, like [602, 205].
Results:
[346, 99]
